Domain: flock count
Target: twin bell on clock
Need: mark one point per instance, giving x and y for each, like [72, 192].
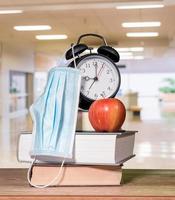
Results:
[99, 72]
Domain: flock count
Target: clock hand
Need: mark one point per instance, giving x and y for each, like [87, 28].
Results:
[96, 76]
[96, 69]
[100, 70]
[92, 84]
[87, 78]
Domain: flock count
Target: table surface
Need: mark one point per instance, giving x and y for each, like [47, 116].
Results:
[135, 183]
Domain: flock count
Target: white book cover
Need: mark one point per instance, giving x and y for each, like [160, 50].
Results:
[90, 147]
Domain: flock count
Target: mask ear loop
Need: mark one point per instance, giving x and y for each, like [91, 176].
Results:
[73, 53]
[59, 62]
[50, 183]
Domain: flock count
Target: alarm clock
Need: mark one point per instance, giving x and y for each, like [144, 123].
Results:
[100, 76]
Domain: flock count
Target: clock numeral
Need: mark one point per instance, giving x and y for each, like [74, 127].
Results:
[109, 88]
[88, 66]
[82, 70]
[96, 95]
[111, 80]
[94, 63]
[107, 71]
[82, 87]
[87, 93]
[103, 94]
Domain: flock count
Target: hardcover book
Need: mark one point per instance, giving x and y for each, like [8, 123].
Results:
[90, 148]
[75, 175]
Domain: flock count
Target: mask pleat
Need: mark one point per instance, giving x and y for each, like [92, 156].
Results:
[48, 116]
[39, 112]
[66, 134]
[59, 100]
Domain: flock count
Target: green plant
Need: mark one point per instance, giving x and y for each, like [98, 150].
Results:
[170, 87]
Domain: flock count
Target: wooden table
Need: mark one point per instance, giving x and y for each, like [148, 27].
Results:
[137, 184]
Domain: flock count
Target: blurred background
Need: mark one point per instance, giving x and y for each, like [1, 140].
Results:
[34, 36]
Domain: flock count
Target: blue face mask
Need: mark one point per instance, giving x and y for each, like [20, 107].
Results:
[54, 115]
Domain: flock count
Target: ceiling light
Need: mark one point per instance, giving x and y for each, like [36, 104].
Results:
[142, 34]
[32, 28]
[51, 37]
[140, 6]
[126, 53]
[3, 12]
[126, 57]
[132, 57]
[140, 24]
[133, 49]
[138, 57]
[137, 49]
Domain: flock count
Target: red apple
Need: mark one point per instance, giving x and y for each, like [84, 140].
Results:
[107, 115]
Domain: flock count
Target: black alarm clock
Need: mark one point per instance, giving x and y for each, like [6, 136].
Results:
[100, 76]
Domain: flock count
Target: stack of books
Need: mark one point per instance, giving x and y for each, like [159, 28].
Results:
[97, 157]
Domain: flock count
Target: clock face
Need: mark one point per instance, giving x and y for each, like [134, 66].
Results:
[100, 77]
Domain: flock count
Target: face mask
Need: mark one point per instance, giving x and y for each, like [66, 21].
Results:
[54, 116]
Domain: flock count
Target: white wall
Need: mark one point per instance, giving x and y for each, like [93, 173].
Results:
[16, 55]
[159, 64]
